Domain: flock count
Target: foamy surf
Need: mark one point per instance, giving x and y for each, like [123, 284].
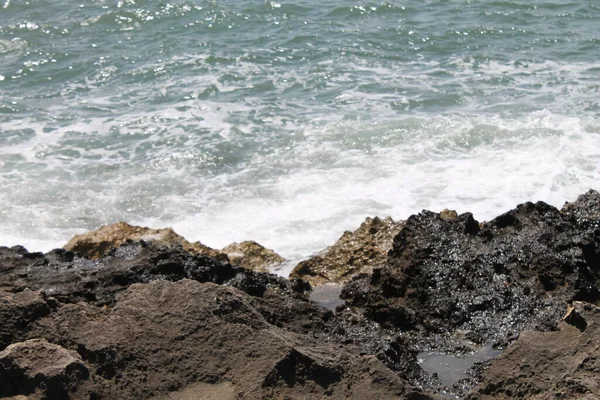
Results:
[288, 124]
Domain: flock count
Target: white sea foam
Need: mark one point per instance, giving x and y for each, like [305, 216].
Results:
[288, 175]
[300, 199]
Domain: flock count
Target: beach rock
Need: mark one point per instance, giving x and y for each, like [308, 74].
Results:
[563, 364]
[252, 255]
[36, 367]
[163, 339]
[98, 243]
[152, 320]
[354, 253]
[17, 312]
[448, 215]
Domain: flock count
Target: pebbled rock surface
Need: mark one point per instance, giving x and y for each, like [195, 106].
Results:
[354, 253]
[252, 255]
[563, 364]
[518, 270]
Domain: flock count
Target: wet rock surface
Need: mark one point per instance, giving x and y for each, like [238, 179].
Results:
[100, 242]
[563, 364]
[149, 319]
[69, 277]
[354, 253]
[451, 284]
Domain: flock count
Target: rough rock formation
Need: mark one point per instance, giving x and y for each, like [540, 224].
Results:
[252, 255]
[166, 337]
[41, 369]
[221, 330]
[153, 320]
[564, 364]
[490, 283]
[354, 253]
[17, 311]
[98, 243]
[70, 278]
[452, 284]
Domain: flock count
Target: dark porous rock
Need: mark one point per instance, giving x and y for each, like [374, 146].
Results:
[586, 209]
[252, 255]
[70, 277]
[354, 253]
[513, 274]
[164, 339]
[453, 285]
[564, 364]
[41, 369]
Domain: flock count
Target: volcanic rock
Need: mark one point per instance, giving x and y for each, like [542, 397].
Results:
[354, 253]
[150, 319]
[564, 364]
[252, 255]
[70, 277]
[98, 243]
[514, 274]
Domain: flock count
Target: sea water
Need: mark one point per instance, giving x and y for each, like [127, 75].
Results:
[288, 122]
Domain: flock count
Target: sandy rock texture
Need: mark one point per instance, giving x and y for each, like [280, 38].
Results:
[164, 337]
[251, 255]
[98, 243]
[354, 253]
[153, 321]
[40, 369]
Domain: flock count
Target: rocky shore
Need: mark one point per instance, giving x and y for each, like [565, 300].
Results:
[437, 306]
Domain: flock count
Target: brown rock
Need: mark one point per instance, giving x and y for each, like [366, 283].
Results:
[564, 364]
[17, 311]
[98, 243]
[38, 366]
[184, 339]
[354, 253]
[252, 255]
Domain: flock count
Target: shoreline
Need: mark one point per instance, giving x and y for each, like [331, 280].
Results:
[143, 313]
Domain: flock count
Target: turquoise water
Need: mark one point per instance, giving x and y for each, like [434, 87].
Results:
[289, 122]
